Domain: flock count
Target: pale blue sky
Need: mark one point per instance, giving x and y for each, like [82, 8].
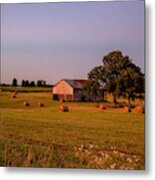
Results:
[52, 41]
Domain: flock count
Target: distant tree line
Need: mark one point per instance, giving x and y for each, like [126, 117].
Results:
[27, 83]
[39, 83]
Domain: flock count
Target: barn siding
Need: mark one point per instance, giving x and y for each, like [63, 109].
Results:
[64, 91]
[62, 88]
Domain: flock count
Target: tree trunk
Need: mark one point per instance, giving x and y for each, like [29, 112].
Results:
[114, 98]
[129, 104]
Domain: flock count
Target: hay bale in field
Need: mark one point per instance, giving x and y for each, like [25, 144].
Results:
[63, 108]
[139, 110]
[41, 104]
[26, 103]
[14, 95]
[102, 106]
[126, 109]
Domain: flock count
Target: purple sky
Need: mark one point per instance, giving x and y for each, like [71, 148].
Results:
[52, 41]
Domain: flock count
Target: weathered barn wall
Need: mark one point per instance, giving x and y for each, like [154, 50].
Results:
[78, 94]
[63, 90]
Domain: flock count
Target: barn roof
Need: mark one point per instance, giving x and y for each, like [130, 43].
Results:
[76, 83]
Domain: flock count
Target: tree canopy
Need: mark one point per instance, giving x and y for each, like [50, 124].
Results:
[95, 80]
[14, 82]
[119, 75]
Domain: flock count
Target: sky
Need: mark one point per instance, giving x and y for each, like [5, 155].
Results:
[53, 41]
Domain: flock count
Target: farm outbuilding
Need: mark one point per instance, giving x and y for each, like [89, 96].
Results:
[73, 90]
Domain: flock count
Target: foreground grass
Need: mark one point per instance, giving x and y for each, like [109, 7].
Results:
[85, 137]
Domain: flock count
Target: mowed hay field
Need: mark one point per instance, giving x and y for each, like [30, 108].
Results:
[84, 137]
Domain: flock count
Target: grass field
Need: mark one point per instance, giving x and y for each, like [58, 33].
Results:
[84, 137]
[25, 89]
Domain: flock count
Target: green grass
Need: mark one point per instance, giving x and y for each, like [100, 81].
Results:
[25, 89]
[45, 137]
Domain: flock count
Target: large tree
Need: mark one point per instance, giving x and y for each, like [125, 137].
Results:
[120, 76]
[131, 82]
[113, 63]
[95, 81]
[123, 77]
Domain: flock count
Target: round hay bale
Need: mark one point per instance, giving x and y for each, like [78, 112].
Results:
[139, 110]
[13, 96]
[63, 109]
[97, 105]
[41, 104]
[126, 109]
[102, 106]
[26, 104]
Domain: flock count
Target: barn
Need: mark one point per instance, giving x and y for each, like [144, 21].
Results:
[72, 90]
